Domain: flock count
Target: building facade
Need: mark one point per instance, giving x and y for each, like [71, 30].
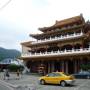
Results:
[63, 46]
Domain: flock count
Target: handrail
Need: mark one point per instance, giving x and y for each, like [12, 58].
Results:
[59, 38]
[73, 51]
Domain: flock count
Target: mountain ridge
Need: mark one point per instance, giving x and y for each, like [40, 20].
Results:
[9, 53]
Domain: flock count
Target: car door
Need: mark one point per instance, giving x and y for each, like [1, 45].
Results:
[57, 78]
[51, 78]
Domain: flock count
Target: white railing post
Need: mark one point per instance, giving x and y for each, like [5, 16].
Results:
[50, 38]
[89, 45]
[67, 35]
[51, 52]
[74, 34]
[81, 32]
[46, 52]
[37, 41]
[61, 37]
[81, 50]
[65, 50]
[40, 53]
[73, 50]
[58, 51]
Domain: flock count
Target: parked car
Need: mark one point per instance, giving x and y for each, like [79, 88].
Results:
[57, 78]
[82, 75]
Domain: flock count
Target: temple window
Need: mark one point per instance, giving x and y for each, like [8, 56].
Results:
[86, 45]
[77, 46]
[66, 47]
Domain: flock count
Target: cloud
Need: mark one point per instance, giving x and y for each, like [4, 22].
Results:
[23, 17]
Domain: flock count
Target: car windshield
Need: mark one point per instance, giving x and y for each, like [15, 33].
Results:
[65, 74]
[84, 72]
[58, 74]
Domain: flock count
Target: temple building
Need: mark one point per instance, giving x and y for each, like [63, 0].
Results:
[63, 46]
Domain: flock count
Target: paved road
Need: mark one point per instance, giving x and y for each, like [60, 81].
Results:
[4, 86]
[32, 80]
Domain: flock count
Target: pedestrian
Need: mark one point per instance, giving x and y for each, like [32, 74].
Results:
[6, 74]
[18, 74]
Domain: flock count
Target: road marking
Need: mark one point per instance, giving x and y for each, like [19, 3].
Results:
[6, 85]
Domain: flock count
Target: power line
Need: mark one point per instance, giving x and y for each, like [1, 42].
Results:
[5, 4]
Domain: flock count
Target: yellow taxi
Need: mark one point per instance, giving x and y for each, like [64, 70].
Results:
[57, 78]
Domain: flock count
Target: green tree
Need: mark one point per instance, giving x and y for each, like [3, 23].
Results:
[85, 67]
[14, 67]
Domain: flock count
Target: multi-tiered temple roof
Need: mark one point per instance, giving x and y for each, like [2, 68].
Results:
[60, 25]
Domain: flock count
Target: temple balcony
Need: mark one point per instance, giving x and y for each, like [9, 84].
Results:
[60, 38]
[82, 51]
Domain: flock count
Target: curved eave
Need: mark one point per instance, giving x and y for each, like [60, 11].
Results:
[64, 22]
[36, 36]
[39, 36]
[56, 41]
[27, 44]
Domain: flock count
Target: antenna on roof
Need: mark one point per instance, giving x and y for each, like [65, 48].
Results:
[56, 21]
[81, 14]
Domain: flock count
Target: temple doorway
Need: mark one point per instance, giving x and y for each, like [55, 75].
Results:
[57, 66]
[70, 67]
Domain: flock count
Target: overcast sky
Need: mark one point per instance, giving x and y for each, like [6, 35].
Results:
[19, 18]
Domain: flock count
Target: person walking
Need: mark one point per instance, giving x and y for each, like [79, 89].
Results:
[18, 74]
[6, 74]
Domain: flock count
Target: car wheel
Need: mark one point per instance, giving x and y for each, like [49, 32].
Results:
[63, 83]
[42, 82]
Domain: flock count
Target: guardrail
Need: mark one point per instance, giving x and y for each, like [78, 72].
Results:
[65, 52]
[59, 38]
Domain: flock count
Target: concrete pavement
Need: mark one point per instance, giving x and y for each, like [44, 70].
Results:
[32, 81]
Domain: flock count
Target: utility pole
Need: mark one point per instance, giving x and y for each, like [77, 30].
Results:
[2, 7]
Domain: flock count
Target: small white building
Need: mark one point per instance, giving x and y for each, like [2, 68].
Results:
[4, 63]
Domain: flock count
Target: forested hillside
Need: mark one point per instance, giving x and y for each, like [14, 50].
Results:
[9, 53]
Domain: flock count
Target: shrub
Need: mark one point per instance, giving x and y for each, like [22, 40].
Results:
[85, 67]
[14, 67]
